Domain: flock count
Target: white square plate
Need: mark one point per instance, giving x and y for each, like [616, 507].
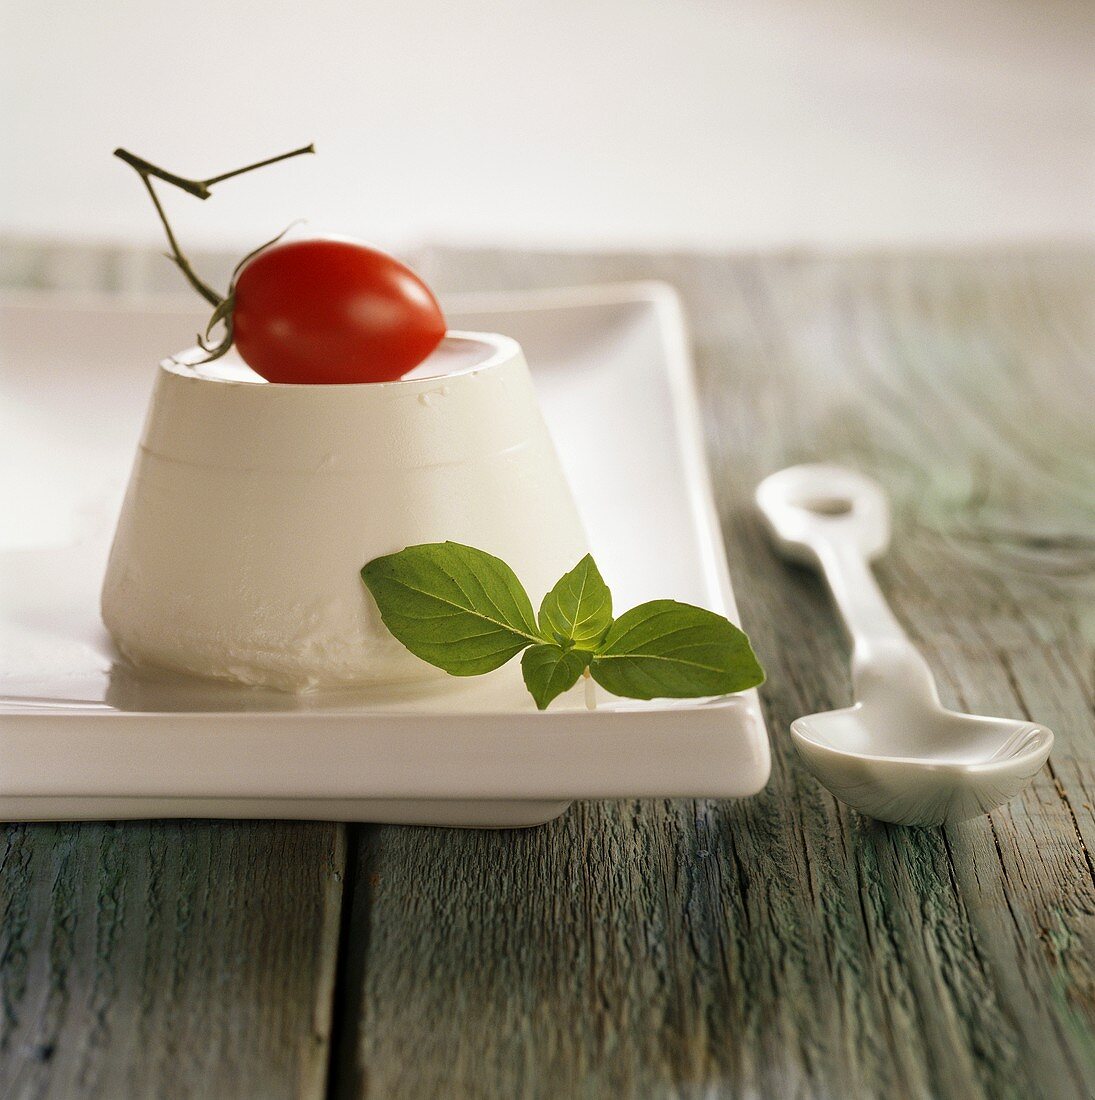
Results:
[84, 736]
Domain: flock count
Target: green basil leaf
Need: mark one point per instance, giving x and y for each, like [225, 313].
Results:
[671, 650]
[579, 608]
[549, 670]
[456, 607]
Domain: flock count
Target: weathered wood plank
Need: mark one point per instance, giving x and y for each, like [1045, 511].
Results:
[782, 946]
[785, 946]
[168, 959]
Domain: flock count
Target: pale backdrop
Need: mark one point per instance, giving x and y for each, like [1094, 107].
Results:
[560, 122]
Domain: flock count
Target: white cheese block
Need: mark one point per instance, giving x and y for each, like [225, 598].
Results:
[252, 507]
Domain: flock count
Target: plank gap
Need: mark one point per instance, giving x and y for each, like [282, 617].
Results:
[345, 1075]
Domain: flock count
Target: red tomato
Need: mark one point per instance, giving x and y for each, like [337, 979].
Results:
[325, 311]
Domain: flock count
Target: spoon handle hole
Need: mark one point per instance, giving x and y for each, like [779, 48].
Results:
[827, 506]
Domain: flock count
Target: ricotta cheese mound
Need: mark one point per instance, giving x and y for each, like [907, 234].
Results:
[252, 508]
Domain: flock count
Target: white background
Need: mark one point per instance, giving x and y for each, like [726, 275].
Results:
[560, 122]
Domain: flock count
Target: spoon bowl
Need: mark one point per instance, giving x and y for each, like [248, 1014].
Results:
[897, 755]
[953, 766]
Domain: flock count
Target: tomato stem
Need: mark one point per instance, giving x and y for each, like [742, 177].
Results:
[309, 148]
[176, 254]
[199, 189]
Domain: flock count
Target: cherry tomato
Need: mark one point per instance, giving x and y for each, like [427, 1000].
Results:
[329, 311]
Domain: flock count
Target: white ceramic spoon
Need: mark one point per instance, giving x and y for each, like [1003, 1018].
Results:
[897, 754]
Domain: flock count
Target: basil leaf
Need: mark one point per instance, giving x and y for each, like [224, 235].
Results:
[456, 607]
[671, 650]
[579, 608]
[549, 670]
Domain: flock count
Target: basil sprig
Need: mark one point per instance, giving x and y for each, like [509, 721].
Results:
[465, 611]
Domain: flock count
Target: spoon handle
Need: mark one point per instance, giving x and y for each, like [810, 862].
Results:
[839, 520]
[885, 664]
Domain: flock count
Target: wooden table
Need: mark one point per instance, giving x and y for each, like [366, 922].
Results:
[780, 946]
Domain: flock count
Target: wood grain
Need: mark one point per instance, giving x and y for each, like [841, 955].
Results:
[785, 946]
[167, 959]
[777, 947]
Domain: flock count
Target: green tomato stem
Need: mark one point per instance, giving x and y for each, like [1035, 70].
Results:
[199, 189]
[309, 148]
[177, 256]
